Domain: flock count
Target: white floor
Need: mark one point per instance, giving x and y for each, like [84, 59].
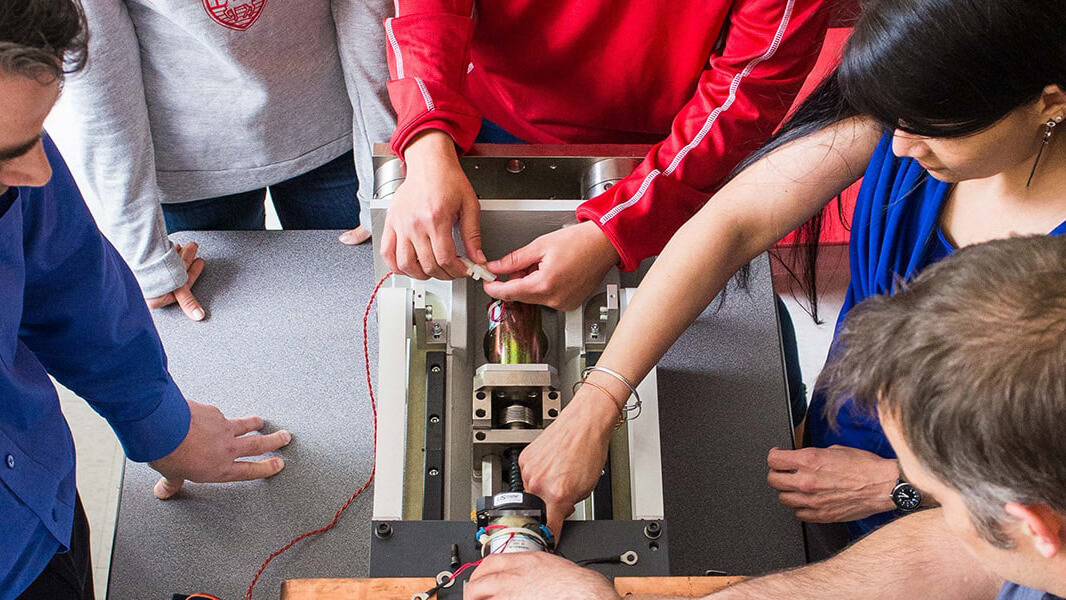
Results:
[100, 456]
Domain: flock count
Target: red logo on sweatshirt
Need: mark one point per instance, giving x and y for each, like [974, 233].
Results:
[238, 15]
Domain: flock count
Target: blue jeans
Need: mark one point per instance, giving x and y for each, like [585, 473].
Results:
[323, 198]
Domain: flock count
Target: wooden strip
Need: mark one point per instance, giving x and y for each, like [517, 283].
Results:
[690, 587]
[404, 588]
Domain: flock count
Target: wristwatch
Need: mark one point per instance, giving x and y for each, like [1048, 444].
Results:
[906, 497]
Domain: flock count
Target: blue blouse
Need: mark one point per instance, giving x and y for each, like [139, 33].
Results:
[895, 233]
[70, 308]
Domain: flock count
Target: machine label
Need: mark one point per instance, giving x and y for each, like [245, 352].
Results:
[508, 498]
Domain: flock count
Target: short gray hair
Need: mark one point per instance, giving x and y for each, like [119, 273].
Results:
[970, 360]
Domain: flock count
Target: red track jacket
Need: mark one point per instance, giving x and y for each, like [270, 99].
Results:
[714, 77]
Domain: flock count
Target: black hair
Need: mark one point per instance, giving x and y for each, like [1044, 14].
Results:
[935, 68]
[42, 39]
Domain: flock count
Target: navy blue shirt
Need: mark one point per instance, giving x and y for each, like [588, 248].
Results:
[69, 307]
[895, 233]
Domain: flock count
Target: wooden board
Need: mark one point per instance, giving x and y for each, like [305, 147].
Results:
[404, 588]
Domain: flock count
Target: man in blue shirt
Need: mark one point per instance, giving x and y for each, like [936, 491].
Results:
[70, 308]
[966, 369]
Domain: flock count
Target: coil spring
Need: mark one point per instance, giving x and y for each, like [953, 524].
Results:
[513, 470]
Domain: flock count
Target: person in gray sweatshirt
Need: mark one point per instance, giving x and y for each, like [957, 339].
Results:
[189, 110]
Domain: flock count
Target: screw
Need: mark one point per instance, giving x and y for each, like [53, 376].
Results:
[652, 530]
[437, 330]
[383, 531]
[515, 166]
[434, 369]
[594, 330]
[433, 472]
[434, 419]
[533, 395]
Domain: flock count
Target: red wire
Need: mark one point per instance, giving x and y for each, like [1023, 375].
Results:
[373, 464]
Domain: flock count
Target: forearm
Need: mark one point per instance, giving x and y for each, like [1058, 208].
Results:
[428, 44]
[101, 125]
[760, 206]
[917, 552]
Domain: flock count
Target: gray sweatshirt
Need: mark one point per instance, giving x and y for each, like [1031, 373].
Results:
[190, 99]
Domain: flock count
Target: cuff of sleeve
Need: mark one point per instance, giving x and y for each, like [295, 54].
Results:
[163, 275]
[159, 432]
[593, 210]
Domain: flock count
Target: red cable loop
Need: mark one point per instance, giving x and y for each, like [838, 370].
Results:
[373, 464]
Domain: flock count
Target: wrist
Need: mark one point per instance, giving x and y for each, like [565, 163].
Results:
[431, 147]
[604, 249]
[602, 397]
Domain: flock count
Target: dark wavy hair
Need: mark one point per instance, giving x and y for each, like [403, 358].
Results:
[42, 39]
[936, 68]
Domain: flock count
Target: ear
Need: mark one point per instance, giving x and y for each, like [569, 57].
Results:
[1052, 104]
[1041, 525]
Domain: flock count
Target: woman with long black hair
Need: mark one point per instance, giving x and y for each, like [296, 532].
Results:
[953, 109]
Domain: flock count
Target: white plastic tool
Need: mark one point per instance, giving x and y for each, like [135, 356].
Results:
[478, 272]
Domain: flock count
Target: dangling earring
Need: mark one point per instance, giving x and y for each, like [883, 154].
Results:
[1048, 128]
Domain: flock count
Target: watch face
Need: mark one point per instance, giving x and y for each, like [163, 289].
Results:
[906, 497]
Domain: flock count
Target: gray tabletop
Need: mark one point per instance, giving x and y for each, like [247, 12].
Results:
[283, 340]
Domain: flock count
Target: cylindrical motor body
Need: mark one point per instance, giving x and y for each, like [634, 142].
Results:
[515, 334]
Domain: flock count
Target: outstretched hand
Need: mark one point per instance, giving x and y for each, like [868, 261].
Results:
[211, 449]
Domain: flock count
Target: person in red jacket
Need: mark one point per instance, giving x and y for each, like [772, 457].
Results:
[704, 81]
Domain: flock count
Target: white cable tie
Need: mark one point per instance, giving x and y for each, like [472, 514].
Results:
[478, 272]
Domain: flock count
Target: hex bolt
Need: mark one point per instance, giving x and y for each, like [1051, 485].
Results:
[437, 330]
[383, 531]
[653, 530]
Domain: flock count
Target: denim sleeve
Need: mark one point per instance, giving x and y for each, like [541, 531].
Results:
[86, 321]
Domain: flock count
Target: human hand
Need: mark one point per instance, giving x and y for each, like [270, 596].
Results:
[560, 269]
[210, 451]
[417, 238]
[183, 295]
[832, 485]
[565, 461]
[354, 237]
[535, 575]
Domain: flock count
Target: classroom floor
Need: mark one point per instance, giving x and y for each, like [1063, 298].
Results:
[100, 458]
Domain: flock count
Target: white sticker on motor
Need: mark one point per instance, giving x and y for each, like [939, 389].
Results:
[507, 498]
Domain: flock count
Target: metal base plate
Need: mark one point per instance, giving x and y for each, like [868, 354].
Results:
[423, 548]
